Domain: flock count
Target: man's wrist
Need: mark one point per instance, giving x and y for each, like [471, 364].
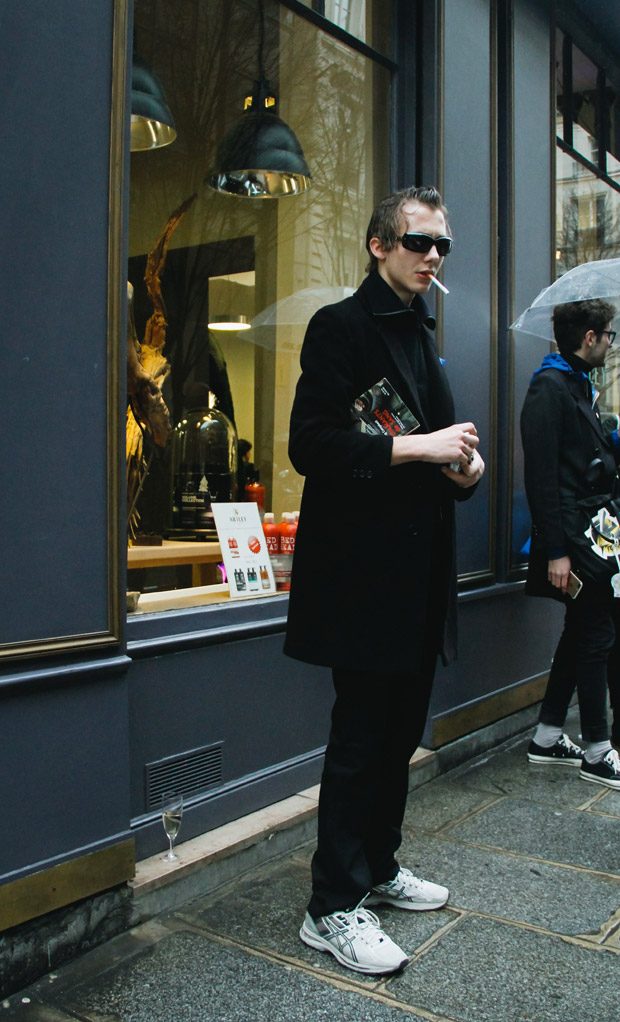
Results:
[407, 448]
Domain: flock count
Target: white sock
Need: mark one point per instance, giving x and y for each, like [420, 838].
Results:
[547, 735]
[596, 751]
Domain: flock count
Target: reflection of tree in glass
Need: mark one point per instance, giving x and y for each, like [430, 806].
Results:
[335, 100]
[590, 226]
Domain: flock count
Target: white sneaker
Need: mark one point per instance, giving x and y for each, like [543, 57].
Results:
[409, 892]
[355, 939]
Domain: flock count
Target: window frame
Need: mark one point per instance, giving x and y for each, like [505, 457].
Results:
[565, 142]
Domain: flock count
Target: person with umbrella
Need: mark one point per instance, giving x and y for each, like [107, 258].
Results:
[571, 483]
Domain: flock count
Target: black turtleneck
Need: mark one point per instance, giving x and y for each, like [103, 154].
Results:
[405, 324]
[579, 365]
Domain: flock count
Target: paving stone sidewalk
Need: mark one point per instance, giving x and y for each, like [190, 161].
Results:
[531, 933]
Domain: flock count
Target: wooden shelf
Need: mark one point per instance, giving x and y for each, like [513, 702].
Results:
[200, 555]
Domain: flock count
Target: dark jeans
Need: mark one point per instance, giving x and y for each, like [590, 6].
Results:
[377, 724]
[581, 659]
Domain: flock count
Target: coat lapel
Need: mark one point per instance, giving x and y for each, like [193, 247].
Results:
[381, 304]
[403, 366]
[589, 413]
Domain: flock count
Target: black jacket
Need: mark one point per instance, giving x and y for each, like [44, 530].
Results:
[570, 470]
[372, 540]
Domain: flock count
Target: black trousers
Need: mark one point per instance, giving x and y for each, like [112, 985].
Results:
[613, 678]
[581, 659]
[377, 724]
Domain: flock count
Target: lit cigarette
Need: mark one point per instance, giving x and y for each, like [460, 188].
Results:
[442, 287]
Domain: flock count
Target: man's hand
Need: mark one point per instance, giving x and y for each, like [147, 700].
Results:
[558, 571]
[453, 444]
[470, 473]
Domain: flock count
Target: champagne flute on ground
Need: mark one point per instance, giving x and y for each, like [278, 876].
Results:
[172, 812]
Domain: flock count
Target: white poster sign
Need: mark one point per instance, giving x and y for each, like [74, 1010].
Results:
[244, 550]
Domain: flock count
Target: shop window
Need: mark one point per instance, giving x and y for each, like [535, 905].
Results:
[256, 266]
[587, 110]
[370, 21]
[588, 183]
[587, 211]
[587, 215]
[587, 160]
[611, 113]
[585, 106]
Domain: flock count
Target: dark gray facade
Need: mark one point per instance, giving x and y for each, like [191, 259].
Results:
[93, 708]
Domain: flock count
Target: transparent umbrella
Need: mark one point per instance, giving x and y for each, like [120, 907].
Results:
[599, 279]
[300, 306]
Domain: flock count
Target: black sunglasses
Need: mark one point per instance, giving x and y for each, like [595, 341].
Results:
[611, 334]
[416, 242]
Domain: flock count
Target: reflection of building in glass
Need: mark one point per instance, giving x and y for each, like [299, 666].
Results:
[588, 160]
[587, 215]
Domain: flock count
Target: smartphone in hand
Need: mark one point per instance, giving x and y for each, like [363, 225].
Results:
[575, 585]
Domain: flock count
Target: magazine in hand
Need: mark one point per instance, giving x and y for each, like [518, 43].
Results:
[381, 412]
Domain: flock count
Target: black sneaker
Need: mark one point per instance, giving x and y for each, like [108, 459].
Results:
[606, 772]
[561, 753]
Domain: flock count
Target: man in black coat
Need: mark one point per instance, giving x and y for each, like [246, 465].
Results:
[570, 474]
[374, 585]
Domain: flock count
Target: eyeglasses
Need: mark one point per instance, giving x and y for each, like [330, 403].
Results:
[416, 242]
[611, 334]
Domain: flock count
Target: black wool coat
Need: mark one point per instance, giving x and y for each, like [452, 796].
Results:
[372, 540]
[570, 470]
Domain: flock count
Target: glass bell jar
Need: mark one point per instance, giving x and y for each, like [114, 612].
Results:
[204, 464]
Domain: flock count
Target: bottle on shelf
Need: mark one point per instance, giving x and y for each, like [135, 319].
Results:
[272, 534]
[284, 563]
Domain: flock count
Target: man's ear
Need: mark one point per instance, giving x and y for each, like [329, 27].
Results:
[590, 338]
[376, 248]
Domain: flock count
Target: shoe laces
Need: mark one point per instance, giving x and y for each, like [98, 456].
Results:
[613, 760]
[405, 878]
[363, 923]
[568, 744]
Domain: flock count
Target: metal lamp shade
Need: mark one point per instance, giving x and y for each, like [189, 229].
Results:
[231, 323]
[260, 158]
[152, 124]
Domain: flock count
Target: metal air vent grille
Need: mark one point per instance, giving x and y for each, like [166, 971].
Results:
[188, 773]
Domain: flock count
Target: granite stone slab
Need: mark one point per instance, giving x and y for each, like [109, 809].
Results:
[187, 978]
[485, 971]
[442, 802]
[510, 773]
[514, 888]
[265, 913]
[609, 804]
[578, 838]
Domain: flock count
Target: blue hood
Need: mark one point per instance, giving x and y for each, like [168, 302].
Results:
[557, 361]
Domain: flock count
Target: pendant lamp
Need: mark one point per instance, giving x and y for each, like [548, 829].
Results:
[231, 304]
[260, 157]
[231, 323]
[152, 124]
